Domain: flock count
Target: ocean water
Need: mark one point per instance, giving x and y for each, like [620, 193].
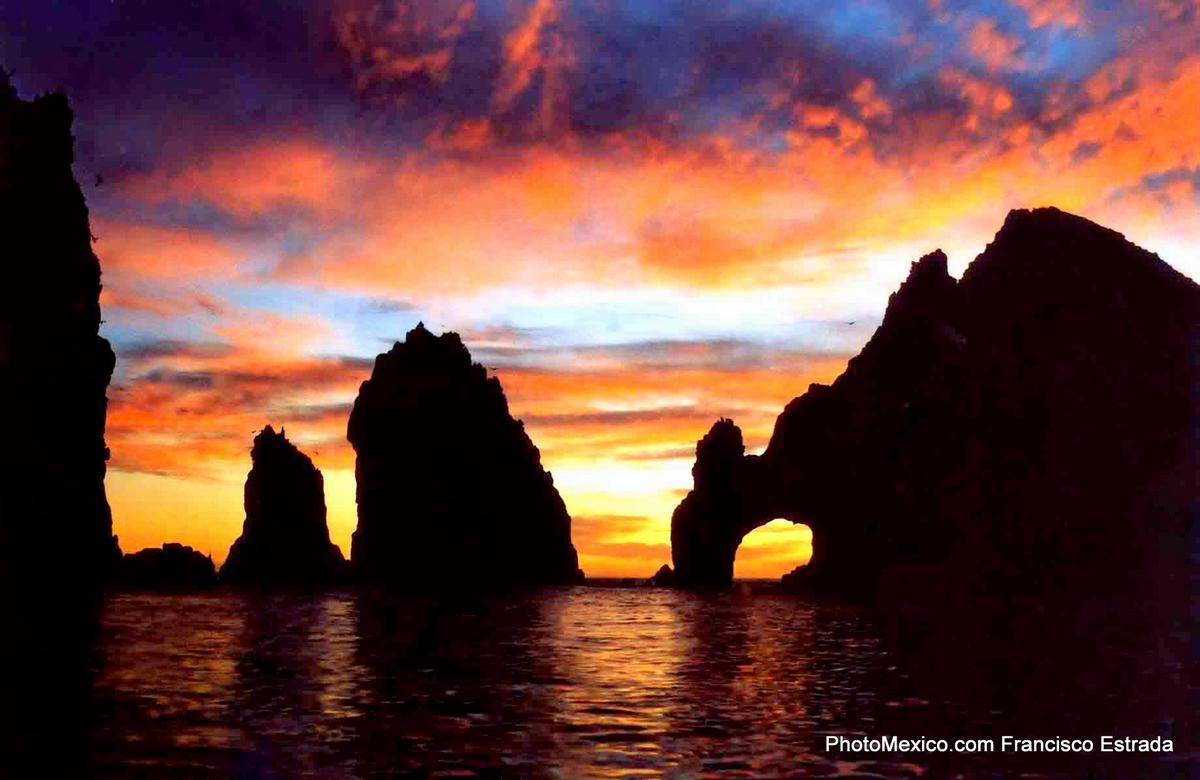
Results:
[599, 682]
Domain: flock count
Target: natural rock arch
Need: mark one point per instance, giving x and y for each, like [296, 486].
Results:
[773, 549]
[1028, 428]
[731, 497]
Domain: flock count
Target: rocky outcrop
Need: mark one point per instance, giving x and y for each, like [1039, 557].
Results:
[1031, 427]
[797, 580]
[703, 540]
[285, 538]
[451, 491]
[664, 577]
[173, 566]
[55, 524]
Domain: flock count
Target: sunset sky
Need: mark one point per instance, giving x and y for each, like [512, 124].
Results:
[642, 215]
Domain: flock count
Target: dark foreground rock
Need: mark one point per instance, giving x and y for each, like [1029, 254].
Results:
[451, 491]
[1029, 428]
[285, 538]
[664, 577]
[796, 580]
[173, 566]
[55, 525]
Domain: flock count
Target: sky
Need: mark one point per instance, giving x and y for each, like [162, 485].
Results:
[642, 215]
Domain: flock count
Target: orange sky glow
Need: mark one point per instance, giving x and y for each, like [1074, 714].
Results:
[638, 236]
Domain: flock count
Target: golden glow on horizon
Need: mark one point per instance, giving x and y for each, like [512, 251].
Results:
[490, 231]
[149, 509]
[773, 550]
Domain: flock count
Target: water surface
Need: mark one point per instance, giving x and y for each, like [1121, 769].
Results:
[575, 682]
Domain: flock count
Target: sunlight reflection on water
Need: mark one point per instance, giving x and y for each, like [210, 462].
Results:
[575, 682]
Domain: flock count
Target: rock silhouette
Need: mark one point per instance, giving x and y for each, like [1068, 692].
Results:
[173, 566]
[664, 577]
[451, 491]
[55, 524]
[1030, 428]
[703, 541]
[285, 538]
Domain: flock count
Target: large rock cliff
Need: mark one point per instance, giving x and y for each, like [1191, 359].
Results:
[55, 524]
[285, 538]
[450, 488]
[1031, 427]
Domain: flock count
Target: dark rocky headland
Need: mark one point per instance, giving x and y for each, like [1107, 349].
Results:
[285, 538]
[1029, 428]
[451, 491]
[56, 541]
[55, 526]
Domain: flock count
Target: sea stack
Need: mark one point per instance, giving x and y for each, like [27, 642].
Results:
[285, 538]
[451, 491]
[703, 541]
[1030, 428]
[55, 525]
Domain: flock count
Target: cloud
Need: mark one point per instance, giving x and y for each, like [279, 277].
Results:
[996, 49]
[186, 407]
[1067, 13]
[751, 146]
[660, 355]
[130, 249]
[617, 203]
[249, 180]
[387, 306]
[133, 298]
[619, 417]
[168, 348]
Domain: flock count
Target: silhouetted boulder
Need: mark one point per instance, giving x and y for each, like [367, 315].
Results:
[55, 525]
[1029, 428]
[664, 577]
[285, 538]
[173, 566]
[451, 491]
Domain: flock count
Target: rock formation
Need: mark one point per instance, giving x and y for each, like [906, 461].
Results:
[285, 539]
[664, 577]
[451, 491]
[703, 547]
[796, 579]
[169, 567]
[55, 524]
[1031, 427]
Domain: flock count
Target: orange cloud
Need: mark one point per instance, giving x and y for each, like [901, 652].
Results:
[251, 180]
[189, 412]
[471, 135]
[468, 221]
[870, 104]
[1067, 13]
[996, 49]
[522, 53]
[163, 253]
[189, 408]
[401, 42]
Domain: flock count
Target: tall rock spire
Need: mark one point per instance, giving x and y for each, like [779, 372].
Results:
[285, 539]
[55, 524]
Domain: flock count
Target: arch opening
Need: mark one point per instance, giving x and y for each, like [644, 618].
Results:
[772, 550]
